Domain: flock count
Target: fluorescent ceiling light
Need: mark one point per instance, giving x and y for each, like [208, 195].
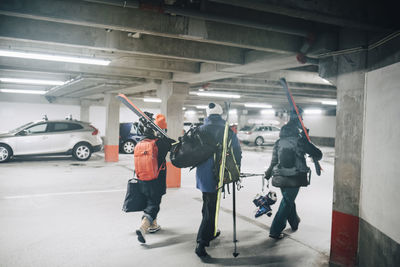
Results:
[329, 102]
[233, 111]
[183, 108]
[216, 94]
[190, 112]
[312, 111]
[201, 107]
[267, 111]
[154, 100]
[257, 105]
[31, 81]
[82, 60]
[36, 92]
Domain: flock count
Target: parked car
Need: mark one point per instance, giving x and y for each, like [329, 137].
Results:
[129, 136]
[57, 137]
[259, 134]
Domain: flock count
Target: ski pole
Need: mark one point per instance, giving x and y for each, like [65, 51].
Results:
[244, 175]
[235, 253]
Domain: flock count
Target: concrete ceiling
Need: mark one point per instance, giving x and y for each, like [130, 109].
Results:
[213, 45]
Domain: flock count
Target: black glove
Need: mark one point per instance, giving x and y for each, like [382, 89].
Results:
[267, 174]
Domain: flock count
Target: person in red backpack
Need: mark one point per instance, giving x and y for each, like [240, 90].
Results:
[151, 172]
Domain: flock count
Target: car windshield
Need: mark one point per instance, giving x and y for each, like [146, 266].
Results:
[246, 128]
[21, 128]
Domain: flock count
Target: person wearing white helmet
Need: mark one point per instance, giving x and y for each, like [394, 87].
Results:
[207, 180]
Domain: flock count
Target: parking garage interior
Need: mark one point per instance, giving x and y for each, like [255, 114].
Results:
[70, 59]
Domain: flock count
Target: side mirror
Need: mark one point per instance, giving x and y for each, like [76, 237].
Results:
[23, 132]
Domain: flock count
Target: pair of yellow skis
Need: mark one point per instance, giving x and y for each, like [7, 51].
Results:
[221, 181]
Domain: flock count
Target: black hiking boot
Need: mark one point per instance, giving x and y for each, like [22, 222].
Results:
[201, 250]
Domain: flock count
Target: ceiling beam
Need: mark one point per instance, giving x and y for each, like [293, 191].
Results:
[154, 23]
[255, 62]
[293, 76]
[312, 15]
[258, 82]
[119, 59]
[74, 69]
[13, 28]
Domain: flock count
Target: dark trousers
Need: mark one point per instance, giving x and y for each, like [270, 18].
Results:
[152, 208]
[207, 226]
[153, 201]
[286, 212]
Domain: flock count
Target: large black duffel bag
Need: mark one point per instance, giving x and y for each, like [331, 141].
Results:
[193, 148]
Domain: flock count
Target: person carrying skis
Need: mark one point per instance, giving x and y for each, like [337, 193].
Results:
[289, 171]
[150, 170]
[207, 178]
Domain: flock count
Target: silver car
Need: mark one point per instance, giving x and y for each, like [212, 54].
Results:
[259, 134]
[59, 137]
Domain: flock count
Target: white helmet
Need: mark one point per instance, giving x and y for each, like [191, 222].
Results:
[214, 108]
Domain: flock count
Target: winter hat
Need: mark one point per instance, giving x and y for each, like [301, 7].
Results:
[213, 108]
[160, 121]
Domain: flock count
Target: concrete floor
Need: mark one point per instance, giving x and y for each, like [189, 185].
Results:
[60, 212]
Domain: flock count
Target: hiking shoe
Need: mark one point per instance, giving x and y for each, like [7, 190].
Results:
[141, 232]
[154, 227]
[277, 237]
[201, 250]
[217, 234]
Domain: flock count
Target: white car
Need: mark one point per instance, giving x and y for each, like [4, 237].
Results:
[58, 137]
[259, 134]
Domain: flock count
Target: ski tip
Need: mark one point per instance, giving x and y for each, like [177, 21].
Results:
[235, 254]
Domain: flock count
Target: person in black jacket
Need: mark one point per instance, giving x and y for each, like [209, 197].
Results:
[290, 172]
[153, 190]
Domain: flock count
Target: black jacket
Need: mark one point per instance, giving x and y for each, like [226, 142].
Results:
[291, 130]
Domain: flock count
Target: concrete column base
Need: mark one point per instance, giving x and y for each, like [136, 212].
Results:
[111, 153]
[173, 176]
[344, 240]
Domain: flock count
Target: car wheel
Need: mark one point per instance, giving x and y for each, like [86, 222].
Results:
[82, 151]
[128, 147]
[5, 153]
[259, 141]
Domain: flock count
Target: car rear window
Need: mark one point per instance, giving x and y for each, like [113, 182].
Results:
[63, 126]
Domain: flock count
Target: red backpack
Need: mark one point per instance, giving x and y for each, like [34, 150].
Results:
[146, 163]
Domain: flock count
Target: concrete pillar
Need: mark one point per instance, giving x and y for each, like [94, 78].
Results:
[348, 148]
[111, 140]
[173, 96]
[84, 112]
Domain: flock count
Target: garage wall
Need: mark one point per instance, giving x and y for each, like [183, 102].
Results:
[13, 114]
[321, 126]
[379, 243]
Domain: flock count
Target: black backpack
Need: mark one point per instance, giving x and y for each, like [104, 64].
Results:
[193, 148]
[232, 172]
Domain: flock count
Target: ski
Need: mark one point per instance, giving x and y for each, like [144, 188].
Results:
[295, 109]
[141, 114]
[222, 169]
